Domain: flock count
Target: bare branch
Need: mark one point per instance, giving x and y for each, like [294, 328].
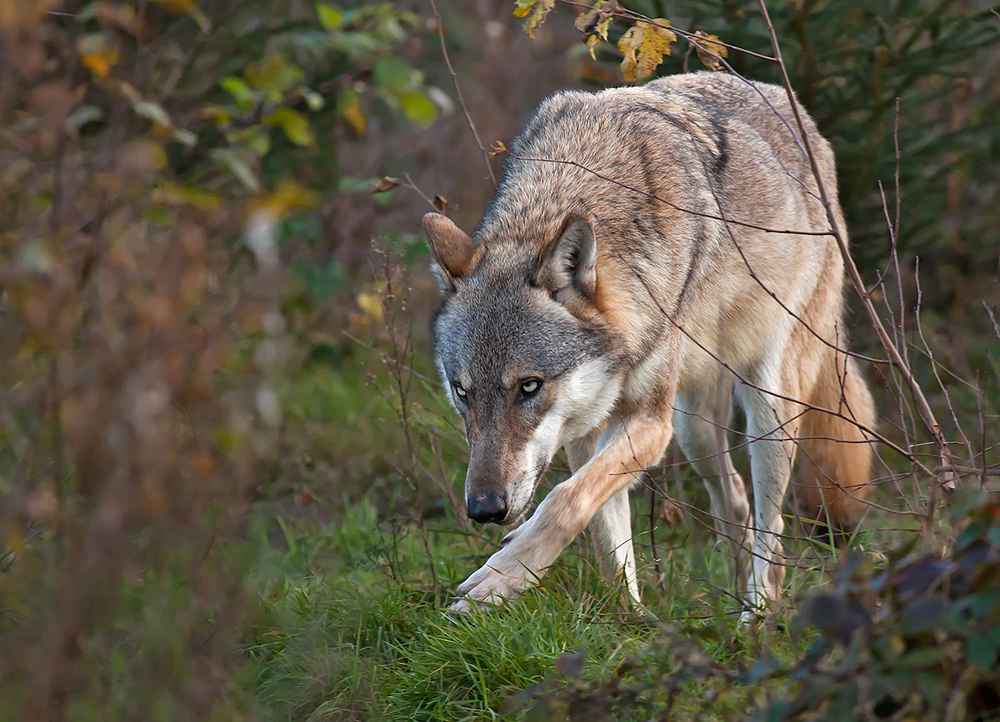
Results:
[458, 92]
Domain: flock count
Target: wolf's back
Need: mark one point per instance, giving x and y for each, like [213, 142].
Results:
[656, 148]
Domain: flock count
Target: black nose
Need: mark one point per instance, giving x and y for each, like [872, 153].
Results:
[487, 507]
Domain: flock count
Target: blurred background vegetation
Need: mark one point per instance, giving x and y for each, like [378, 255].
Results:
[229, 485]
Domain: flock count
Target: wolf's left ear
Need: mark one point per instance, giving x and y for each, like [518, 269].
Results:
[571, 261]
[455, 253]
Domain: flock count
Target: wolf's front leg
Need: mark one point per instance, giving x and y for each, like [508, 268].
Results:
[611, 528]
[626, 449]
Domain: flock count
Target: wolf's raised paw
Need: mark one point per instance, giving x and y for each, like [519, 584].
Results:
[515, 567]
[489, 586]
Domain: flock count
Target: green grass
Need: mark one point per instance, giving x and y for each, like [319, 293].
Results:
[351, 626]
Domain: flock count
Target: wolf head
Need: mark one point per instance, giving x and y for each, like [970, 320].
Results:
[523, 354]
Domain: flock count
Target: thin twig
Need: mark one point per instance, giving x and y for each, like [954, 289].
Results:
[458, 92]
[414, 187]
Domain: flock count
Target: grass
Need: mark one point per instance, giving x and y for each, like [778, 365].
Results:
[351, 626]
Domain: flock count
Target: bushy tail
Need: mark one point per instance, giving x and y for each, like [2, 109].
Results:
[835, 456]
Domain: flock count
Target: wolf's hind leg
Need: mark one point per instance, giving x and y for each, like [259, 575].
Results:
[611, 527]
[772, 427]
[701, 422]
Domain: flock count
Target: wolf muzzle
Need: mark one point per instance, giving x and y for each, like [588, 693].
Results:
[488, 507]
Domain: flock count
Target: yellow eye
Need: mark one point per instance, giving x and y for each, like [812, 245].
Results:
[530, 387]
[460, 392]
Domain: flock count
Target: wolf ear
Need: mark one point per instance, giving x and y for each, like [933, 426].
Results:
[455, 253]
[571, 261]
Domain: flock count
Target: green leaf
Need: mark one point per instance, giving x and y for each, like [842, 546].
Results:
[255, 138]
[418, 108]
[274, 76]
[775, 712]
[237, 164]
[245, 97]
[352, 184]
[982, 651]
[295, 125]
[359, 47]
[393, 75]
[160, 215]
[155, 113]
[315, 42]
[170, 194]
[978, 605]
[330, 17]
[921, 658]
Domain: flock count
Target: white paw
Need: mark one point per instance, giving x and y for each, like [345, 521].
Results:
[489, 586]
[519, 564]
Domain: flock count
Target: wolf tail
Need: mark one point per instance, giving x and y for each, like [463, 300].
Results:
[835, 455]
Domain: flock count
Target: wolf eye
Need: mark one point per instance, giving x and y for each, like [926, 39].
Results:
[530, 387]
[460, 392]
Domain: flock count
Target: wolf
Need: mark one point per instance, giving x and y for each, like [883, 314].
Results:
[652, 256]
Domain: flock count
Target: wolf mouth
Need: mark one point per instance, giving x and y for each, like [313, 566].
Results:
[515, 517]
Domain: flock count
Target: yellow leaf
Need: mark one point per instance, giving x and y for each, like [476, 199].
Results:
[330, 17]
[286, 198]
[349, 108]
[897, 644]
[169, 194]
[710, 52]
[644, 45]
[295, 125]
[498, 149]
[96, 55]
[594, 25]
[371, 305]
[535, 11]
